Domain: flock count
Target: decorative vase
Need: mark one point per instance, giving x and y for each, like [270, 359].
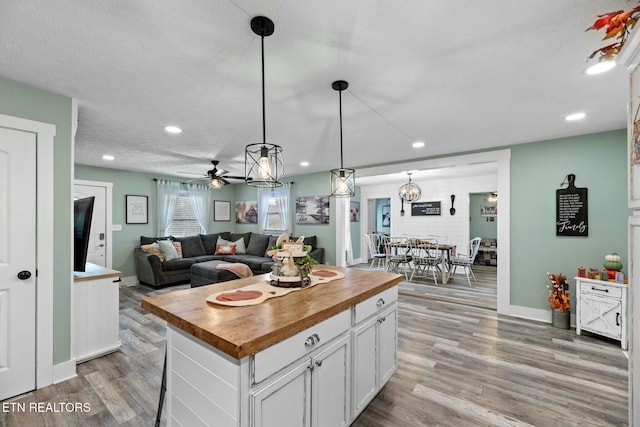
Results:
[561, 319]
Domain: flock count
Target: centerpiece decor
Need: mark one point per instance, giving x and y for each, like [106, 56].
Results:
[293, 264]
[559, 300]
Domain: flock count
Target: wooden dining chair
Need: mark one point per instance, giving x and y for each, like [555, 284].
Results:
[466, 260]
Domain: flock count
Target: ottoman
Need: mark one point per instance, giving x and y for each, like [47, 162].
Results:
[206, 273]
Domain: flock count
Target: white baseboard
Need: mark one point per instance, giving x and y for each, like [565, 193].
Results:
[129, 280]
[64, 371]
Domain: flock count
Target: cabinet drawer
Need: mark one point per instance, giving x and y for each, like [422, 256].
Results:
[279, 356]
[602, 290]
[375, 304]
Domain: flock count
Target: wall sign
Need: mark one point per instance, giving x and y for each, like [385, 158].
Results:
[425, 209]
[572, 210]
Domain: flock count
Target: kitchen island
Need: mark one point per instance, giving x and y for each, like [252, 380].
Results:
[313, 357]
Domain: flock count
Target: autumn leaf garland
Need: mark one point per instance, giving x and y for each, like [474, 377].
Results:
[617, 25]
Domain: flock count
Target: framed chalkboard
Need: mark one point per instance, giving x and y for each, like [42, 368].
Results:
[572, 210]
[425, 209]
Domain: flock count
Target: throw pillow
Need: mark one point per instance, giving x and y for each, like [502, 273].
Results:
[240, 247]
[168, 250]
[153, 249]
[178, 247]
[229, 249]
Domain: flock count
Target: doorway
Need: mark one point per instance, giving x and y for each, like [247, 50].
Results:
[100, 247]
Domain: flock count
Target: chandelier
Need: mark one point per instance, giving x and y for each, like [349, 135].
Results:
[409, 192]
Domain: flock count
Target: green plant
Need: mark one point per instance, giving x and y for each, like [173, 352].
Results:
[302, 260]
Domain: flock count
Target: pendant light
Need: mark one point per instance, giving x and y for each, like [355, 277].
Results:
[409, 193]
[263, 162]
[343, 181]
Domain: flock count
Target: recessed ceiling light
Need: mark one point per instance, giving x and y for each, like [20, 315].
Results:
[304, 164]
[600, 67]
[108, 157]
[418, 144]
[575, 116]
[172, 129]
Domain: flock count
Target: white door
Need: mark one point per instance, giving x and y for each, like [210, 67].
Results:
[17, 262]
[98, 238]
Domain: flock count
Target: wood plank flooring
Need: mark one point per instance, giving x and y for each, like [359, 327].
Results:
[459, 365]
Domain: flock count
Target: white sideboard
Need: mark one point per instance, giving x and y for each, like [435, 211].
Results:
[95, 312]
[602, 309]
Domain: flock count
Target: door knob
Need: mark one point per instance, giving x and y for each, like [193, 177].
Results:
[24, 275]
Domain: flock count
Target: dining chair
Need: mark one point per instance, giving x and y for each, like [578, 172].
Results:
[375, 244]
[399, 256]
[466, 260]
[427, 258]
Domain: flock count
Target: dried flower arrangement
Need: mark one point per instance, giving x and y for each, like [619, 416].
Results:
[618, 26]
[558, 292]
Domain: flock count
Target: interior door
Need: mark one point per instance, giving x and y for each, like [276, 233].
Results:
[17, 262]
[98, 239]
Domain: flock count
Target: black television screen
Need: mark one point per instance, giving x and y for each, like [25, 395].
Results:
[82, 214]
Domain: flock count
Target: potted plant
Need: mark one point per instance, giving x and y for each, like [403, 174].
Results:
[559, 300]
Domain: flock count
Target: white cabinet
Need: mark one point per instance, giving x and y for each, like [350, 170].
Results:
[602, 308]
[95, 312]
[314, 392]
[374, 347]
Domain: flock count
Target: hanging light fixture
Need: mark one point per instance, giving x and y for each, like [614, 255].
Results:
[343, 181]
[263, 162]
[409, 193]
[216, 183]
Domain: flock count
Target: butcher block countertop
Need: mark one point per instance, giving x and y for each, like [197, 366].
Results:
[242, 331]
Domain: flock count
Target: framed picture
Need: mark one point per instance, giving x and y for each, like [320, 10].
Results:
[354, 212]
[247, 212]
[221, 210]
[312, 210]
[386, 216]
[137, 209]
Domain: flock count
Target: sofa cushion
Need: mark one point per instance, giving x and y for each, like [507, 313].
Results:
[258, 244]
[178, 264]
[144, 240]
[272, 242]
[245, 236]
[168, 250]
[191, 245]
[153, 249]
[226, 249]
[311, 241]
[240, 246]
[252, 261]
[209, 241]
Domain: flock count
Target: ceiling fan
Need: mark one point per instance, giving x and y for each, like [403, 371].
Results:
[218, 177]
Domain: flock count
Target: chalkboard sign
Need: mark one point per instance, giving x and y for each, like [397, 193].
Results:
[572, 210]
[425, 209]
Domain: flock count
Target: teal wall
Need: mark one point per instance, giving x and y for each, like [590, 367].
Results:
[479, 226]
[599, 162]
[30, 103]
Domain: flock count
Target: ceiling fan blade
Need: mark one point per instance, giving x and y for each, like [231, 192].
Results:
[232, 177]
[192, 173]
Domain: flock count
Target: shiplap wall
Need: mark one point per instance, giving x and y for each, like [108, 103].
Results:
[456, 226]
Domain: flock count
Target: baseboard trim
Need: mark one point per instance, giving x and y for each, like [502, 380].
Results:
[129, 280]
[64, 371]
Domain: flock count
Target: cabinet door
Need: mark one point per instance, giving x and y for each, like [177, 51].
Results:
[286, 401]
[365, 369]
[601, 315]
[387, 344]
[331, 385]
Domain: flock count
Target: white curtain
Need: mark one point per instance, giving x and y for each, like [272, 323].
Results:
[167, 193]
[200, 196]
[282, 196]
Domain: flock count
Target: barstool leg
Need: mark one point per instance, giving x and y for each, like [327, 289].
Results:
[163, 389]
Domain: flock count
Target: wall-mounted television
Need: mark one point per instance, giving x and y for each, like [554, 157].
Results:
[82, 215]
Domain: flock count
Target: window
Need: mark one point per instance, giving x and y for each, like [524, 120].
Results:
[273, 205]
[185, 222]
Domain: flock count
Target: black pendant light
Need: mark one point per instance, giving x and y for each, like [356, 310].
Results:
[263, 162]
[343, 181]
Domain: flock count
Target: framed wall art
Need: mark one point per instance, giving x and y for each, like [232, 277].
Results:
[633, 136]
[137, 209]
[354, 212]
[221, 210]
[247, 212]
[312, 210]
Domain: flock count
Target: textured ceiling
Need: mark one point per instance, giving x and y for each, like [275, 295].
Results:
[460, 76]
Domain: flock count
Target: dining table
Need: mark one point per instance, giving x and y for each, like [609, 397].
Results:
[445, 253]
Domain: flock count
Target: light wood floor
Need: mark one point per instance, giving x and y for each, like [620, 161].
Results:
[459, 365]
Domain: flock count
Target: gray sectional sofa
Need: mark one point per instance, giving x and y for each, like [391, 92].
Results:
[153, 272]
